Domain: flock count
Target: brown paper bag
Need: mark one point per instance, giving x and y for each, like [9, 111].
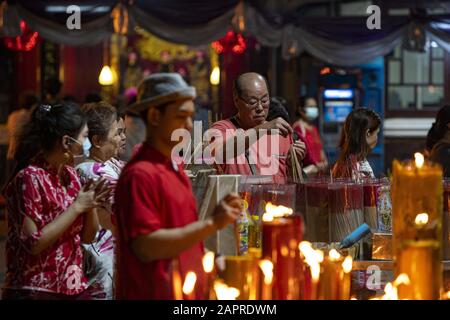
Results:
[224, 241]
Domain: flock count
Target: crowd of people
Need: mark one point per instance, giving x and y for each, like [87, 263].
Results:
[86, 220]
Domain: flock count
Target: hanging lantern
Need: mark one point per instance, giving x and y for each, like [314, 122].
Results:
[3, 7]
[24, 42]
[106, 77]
[232, 42]
[416, 38]
[120, 19]
[238, 20]
[214, 78]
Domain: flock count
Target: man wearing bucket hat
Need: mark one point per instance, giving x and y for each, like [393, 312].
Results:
[154, 204]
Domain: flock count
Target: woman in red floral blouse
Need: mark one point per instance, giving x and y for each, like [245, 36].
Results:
[49, 213]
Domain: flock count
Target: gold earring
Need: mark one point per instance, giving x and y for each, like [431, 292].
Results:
[66, 156]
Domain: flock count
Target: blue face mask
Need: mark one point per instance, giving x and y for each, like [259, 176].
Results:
[312, 113]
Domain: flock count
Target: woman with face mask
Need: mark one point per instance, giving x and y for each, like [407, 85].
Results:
[106, 135]
[304, 127]
[49, 212]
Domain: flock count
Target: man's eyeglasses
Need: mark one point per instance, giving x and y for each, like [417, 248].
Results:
[253, 103]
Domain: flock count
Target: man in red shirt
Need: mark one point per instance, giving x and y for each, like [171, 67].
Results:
[264, 152]
[154, 204]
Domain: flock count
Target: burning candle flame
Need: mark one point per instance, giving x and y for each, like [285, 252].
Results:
[313, 258]
[225, 292]
[347, 265]
[315, 271]
[318, 255]
[447, 295]
[421, 219]
[309, 253]
[208, 262]
[267, 269]
[401, 279]
[390, 290]
[305, 248]
[334, 255]
[419, 159]
[189, 282]
[273, 211]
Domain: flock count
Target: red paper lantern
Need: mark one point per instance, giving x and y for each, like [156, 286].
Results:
[232, 42]
[25, 42]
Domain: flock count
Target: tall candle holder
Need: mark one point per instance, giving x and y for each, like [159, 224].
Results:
[241, 273]
[210, 274]
[279, 245]
[266, 279]
[177, 283]
[328, 273]
[417, 227]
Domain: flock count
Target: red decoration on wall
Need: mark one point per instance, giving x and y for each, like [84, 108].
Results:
[24, 42]
[232, 42]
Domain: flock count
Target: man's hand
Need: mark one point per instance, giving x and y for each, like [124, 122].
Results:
[227, 211]
[284, 128]
[322, 166]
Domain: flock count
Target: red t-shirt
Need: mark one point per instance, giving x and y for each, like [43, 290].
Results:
[311, 138]
[269, 152]
[151, 194]
[36, 193]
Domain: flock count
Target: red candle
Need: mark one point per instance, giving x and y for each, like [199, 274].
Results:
[278, 237]
[176, 281]
[189, 285]
[297, 229]
[266, 276]
[210, 273]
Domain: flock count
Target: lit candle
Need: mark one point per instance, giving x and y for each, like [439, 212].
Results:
[313, 259]
[208, 267]
[330, 278]
[417, 227]
[176, 281]
[391, 288]
[241, 273]
[224, 292]
[189, 285]
[277, 239]
[266, 267]
[298, 280]
[347, 267]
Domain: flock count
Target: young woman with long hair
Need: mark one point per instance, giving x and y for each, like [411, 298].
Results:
[359, 136]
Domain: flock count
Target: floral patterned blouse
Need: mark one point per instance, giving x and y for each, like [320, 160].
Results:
[37, 193]
[99, 255]
[110, 170]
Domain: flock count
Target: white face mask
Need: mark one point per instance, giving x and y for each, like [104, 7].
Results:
[312, 113]
[86, 147]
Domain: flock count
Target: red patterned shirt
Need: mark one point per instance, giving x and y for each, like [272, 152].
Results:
[36, 193]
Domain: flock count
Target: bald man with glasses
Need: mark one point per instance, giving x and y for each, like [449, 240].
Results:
[264, 144]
